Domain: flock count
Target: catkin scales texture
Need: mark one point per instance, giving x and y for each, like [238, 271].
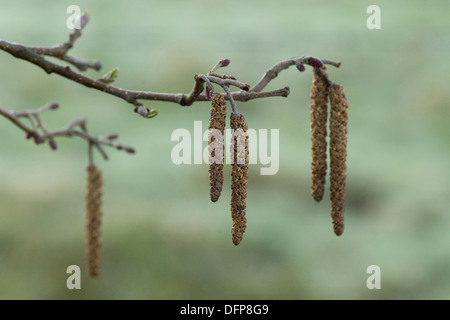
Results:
[338, 155]
[216, 145]
[318, 130]
[93, 220]
[239, 176]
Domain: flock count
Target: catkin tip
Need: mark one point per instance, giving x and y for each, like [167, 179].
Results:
[339, 229]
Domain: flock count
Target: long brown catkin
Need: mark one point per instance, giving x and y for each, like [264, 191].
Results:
[318, 130]
[338, 155]
[216, 145]
[93, 220]
[239, 176]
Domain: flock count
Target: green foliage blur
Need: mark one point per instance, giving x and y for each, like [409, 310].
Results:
[162, 236]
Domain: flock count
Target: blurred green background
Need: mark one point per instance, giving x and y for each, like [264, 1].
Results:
[163, 238]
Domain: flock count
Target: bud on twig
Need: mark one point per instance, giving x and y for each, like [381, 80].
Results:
[224, 63]
[315, 63]
[84, 19]
[300, 66]
[129, 149]
[145, 112]
[112, 136]
[338, 155]
[318, 129]
[52, 144]
[141, 110]
[54, 106]
[37, 139]
[216, 145]
[93, 220]
[110, 76]
[239, 176]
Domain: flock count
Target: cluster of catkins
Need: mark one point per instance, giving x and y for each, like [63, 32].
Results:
[322, 91]
[239, 171]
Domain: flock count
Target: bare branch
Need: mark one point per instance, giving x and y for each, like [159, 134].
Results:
[273, 72]
[130, 96]
[77, 127]
[36, 55]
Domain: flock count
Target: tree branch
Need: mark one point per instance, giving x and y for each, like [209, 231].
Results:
[273, 72]
[36, 55]
[130, 96]
[38, 131]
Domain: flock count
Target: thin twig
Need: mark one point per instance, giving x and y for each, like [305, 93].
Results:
[273, 72]
[230, 97]
[38, 131]
[60, 51]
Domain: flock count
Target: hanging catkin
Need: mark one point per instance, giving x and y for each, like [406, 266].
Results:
[338, 155]
[93, 220]
[216, 146]
[318, 129]
[239, 176]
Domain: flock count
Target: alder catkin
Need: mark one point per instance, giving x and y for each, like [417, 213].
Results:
[239, 176]
[216, 145]
[318, 129]
[338, 155]
[93, 220]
